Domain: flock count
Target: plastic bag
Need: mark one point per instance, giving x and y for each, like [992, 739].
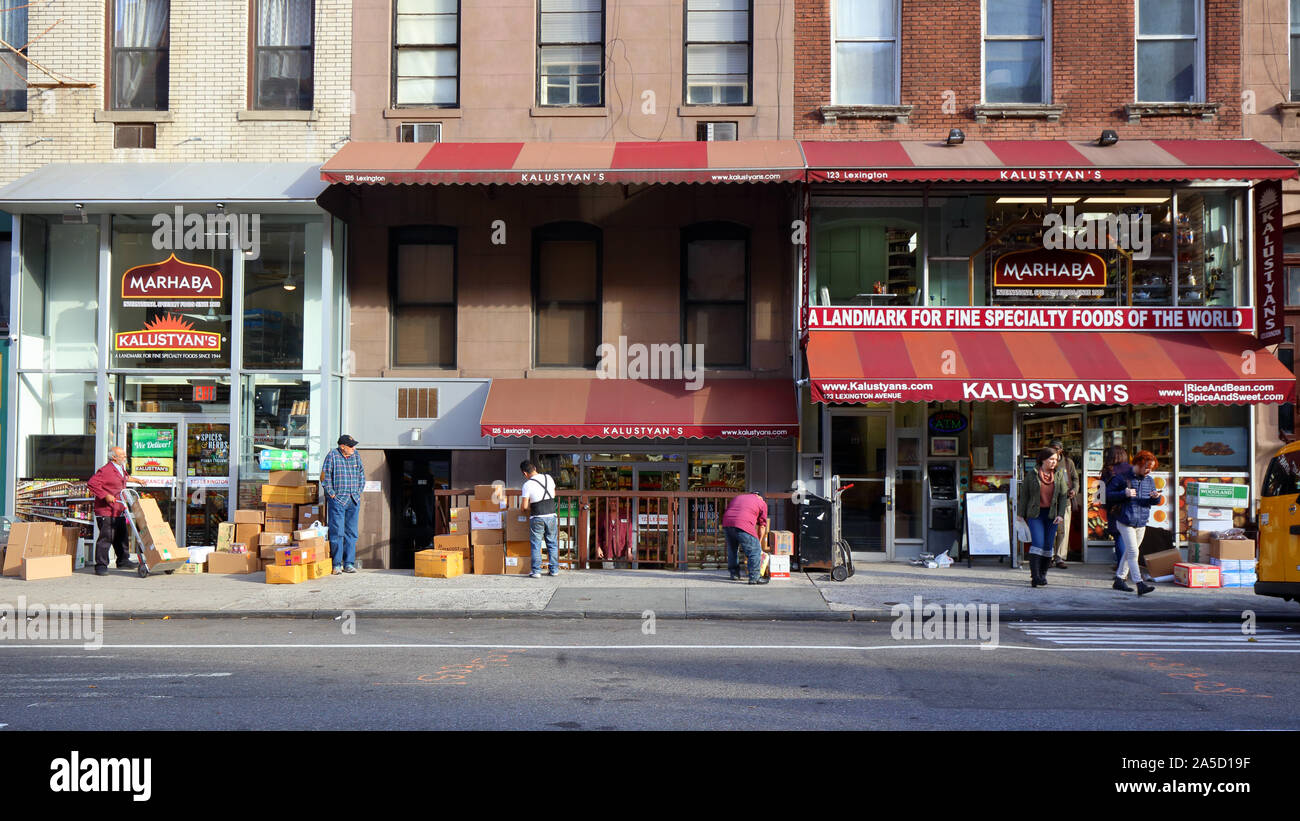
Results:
[1022, 531]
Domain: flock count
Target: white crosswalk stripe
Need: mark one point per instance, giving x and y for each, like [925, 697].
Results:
[1122, 635]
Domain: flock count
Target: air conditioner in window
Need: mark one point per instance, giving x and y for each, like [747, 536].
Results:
[419, 133]
[715, 131]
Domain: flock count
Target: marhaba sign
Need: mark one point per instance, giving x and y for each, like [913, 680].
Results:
[171, 283]
[1044, 268]
[846, 318]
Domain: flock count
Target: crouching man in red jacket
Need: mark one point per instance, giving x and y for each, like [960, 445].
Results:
[110, 514]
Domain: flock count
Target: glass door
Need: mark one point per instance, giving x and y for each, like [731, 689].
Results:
[1037, 430]
[654, 522]
[861, 454]
[152, 455]
[184, 463]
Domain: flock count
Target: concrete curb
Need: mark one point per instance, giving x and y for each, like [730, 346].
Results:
[1198, 616]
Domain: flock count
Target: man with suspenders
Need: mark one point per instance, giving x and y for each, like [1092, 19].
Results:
[538, 494]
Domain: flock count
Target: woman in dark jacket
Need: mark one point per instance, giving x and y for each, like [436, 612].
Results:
[1133, 492]
[1044, 493]
[1115, 459]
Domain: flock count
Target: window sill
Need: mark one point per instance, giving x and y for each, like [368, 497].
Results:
[15, 116]
[567, 111]
[717, 111]
[1136, 111]
[418, 372]
[1288, 108]
[1035, 111]
[833, 113]
[421, 114]
[133, 116]
[277, 116]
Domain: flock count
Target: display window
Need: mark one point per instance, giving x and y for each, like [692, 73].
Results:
[58, 295]
[282, 296]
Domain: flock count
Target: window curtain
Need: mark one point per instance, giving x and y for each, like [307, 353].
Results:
[284, 36]
[138, 24]
[13, 72]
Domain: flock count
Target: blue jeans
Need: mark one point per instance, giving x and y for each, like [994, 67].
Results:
[342, 524]
[545, 528]
[1042, 534]
[738, 540]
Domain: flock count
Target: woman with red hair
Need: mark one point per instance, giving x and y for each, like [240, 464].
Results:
[1133, 491]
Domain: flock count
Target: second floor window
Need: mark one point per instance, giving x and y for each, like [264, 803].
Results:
[1169, 51]
[426, 53]
[566, 295]
[13, 68]
[423, 287]
[718, 52]
[866, 52]
[715, 292]
[284, 55]
[139, 54]
[1015, 51]
[1295, 50]
[571, 52]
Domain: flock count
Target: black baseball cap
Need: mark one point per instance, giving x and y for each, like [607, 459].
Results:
[347, 440]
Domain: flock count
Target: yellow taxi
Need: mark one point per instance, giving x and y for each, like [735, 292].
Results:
[1279, 526]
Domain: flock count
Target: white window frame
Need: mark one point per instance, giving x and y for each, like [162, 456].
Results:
[398, 48]
[1047, 52]
[897, 40]
[687, 42]
[540, 80]
[1200, 51]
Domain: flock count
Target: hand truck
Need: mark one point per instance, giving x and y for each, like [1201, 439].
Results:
[128, 498]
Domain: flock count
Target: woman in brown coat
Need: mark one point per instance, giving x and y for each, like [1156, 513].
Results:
[1044, 494]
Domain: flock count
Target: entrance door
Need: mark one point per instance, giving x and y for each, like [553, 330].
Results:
[184, 462]
[655, 524]
[1037, 430]
[862, 454]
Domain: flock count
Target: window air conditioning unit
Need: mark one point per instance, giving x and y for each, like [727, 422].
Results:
[712, 132]
[419, 133]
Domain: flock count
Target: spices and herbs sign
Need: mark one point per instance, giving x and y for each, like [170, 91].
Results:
[166, 290]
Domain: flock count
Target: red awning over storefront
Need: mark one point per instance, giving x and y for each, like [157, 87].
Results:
[1050, 161]
[572, 163]
[641, 409]
[1116, 368]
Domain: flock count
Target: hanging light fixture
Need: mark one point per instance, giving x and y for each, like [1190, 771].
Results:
[289, 284]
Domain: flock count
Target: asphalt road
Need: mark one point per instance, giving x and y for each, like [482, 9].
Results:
[542, 674]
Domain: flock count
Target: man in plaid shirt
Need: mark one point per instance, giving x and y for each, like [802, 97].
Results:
[342, 479]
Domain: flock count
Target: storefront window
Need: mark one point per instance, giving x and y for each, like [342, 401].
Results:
[282, 296]
[338, 302]
[278, 413]
[173, 310]
[1211, 269]
[869, 253]
[58, 308]
[174, 394]
[563, 467]
[57, 423]
[717, 472]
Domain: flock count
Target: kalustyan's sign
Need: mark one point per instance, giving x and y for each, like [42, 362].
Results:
[1270, 289]
[1197, 319]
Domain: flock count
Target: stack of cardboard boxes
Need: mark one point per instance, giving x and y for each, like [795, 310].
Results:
[1235, 558]
[306, 558]
[157, 541]
[489, 537]
[1211, 509]
[237, 544]
[40, 550]
[253, 539]
[781, 545]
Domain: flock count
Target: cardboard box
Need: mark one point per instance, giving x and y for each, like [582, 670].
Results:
[304, 495]
[30, 539]
[286, 526]
[452, 541]
[1197, 575]
[155, 556]
[282, 512]
[1232, 548]
[69, 537]
[779, 566]
[1209, 514]
[439, 564]
[247, 517]
[314, 542]
[225, 536]
[309, 515]
[246, 534]
[304, 533]
[234, 563]
[153, 527]
[497, 537]
[191, 568]
[199, 555]
[320, 569]
[1217, 494]
[286, 574]
[487, 493]
[483, 506]
[294, 555]
[1162, 563]
[1210, 525]
[277, 539]
[46, 567]
[239, 548]
[486, 521]
[458, 514]
[461, 526]
[489, 559]
[287, 478]
[781, 542]
[519, 558]
[267, 552]
[517, 525]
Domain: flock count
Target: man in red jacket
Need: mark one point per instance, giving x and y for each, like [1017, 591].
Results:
[110, 514]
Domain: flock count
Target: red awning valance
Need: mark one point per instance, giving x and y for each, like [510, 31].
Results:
[1116, 368]
[1054, 161]
[565, 163]
[640, 409]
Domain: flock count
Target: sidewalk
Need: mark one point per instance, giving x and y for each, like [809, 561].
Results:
[1080, 593]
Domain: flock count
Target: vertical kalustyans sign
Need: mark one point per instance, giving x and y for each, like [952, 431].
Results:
[1269, 285]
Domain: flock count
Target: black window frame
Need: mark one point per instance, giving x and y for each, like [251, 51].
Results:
[537, 68]
[394, 76]
[256, 61]
[18, 64]
[163, 63]
[567, 231]
[687, 42]
[717, 230]
[422, 235]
